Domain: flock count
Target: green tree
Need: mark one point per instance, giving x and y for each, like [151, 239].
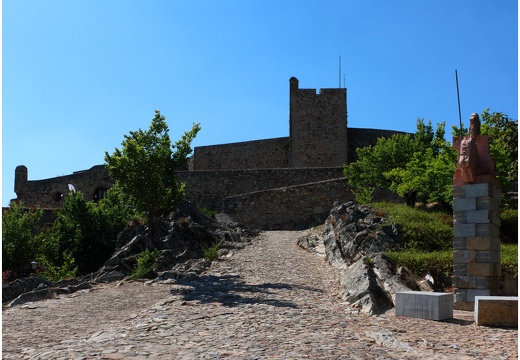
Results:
[20, 240]
[144, 169]
[410, 166]
[86, 231]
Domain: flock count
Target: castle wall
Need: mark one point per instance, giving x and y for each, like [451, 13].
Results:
[318, 127]
[360, 138]
[48, 193]
[208, 188]
[258, 154]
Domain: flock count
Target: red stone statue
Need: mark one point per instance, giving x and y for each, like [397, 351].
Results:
[474, 164]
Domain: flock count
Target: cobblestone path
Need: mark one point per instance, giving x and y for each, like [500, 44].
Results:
[271, 300]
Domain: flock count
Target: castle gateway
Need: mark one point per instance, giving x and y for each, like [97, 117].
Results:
[281, 183]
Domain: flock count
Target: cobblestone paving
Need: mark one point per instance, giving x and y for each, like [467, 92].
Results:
[271, 300]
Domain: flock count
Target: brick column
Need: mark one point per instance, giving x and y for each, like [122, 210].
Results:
[476, 242]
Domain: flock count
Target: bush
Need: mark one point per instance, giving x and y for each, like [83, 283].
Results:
[421, 262]
[146, 262]
[20, 240]
[211, 253]
[422, 230]
[208, 213]
[509, 226]
[509, 258]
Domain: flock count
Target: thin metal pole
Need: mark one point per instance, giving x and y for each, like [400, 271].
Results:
[339, 74]
[458, 99]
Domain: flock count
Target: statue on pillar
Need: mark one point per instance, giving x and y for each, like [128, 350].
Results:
[474, 162]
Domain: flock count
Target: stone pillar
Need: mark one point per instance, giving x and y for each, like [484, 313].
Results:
[476, 242]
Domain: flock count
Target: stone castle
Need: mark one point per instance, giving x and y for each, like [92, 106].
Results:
[281, 183]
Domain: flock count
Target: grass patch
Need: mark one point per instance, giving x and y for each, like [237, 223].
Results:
[145, 264]
[423, 230]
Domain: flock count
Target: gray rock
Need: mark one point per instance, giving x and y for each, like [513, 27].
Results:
[354, 239]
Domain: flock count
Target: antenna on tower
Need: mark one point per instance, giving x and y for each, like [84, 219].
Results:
[339, 74]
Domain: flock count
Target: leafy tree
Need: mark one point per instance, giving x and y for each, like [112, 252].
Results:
[87, 231]
[20, 241]
[421, 165]
[144, 170]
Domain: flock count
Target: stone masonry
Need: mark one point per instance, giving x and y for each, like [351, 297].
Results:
[307, 164]
[476, 241]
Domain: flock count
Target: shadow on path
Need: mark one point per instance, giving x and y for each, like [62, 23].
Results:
[231, 290]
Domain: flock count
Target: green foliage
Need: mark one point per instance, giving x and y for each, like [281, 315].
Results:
[422, 262]
[411, 166]
[509, 226]
[208, 213]
[509, 258]
[146, 262]
[437, 262]
[88, 230]
[20, 240]
[211, 252]
[144, 169]
[422, 230]
[66, 270]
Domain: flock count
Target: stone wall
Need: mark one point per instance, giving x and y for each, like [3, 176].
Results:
[258, 154]
[48, 193]
[318, 126]
[360, 138]
[209, 188]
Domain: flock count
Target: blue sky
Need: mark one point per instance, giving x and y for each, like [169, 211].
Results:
[79, 75]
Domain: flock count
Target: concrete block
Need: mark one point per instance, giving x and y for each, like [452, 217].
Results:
[485, 230]
[464, 256]
[487, 203]
[484, 256]
[458, 191]
[496, 310]
[478, 217]
[472, 293]
[477, 190]
[465, 282]
[482, 243]
[464, 230]
[460, 270]
[424, 305]
[482, 269]
[464, 204]
[485, 282]
[460, 243]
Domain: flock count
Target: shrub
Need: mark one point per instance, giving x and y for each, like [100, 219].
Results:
[146, 261]
[421, 262]
[509, 226]
[208, 213]
[20, 241]
[422, 230]
[509, 258]
[211, 253]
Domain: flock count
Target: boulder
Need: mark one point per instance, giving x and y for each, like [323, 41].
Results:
[354, 239]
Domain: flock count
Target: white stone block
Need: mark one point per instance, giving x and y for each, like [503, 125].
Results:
[424, 305]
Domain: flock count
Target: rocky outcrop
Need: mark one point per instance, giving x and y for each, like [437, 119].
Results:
[353, 240]
[181, 240]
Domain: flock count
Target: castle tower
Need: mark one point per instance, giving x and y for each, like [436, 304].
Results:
[20, 179]
[318, 127]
